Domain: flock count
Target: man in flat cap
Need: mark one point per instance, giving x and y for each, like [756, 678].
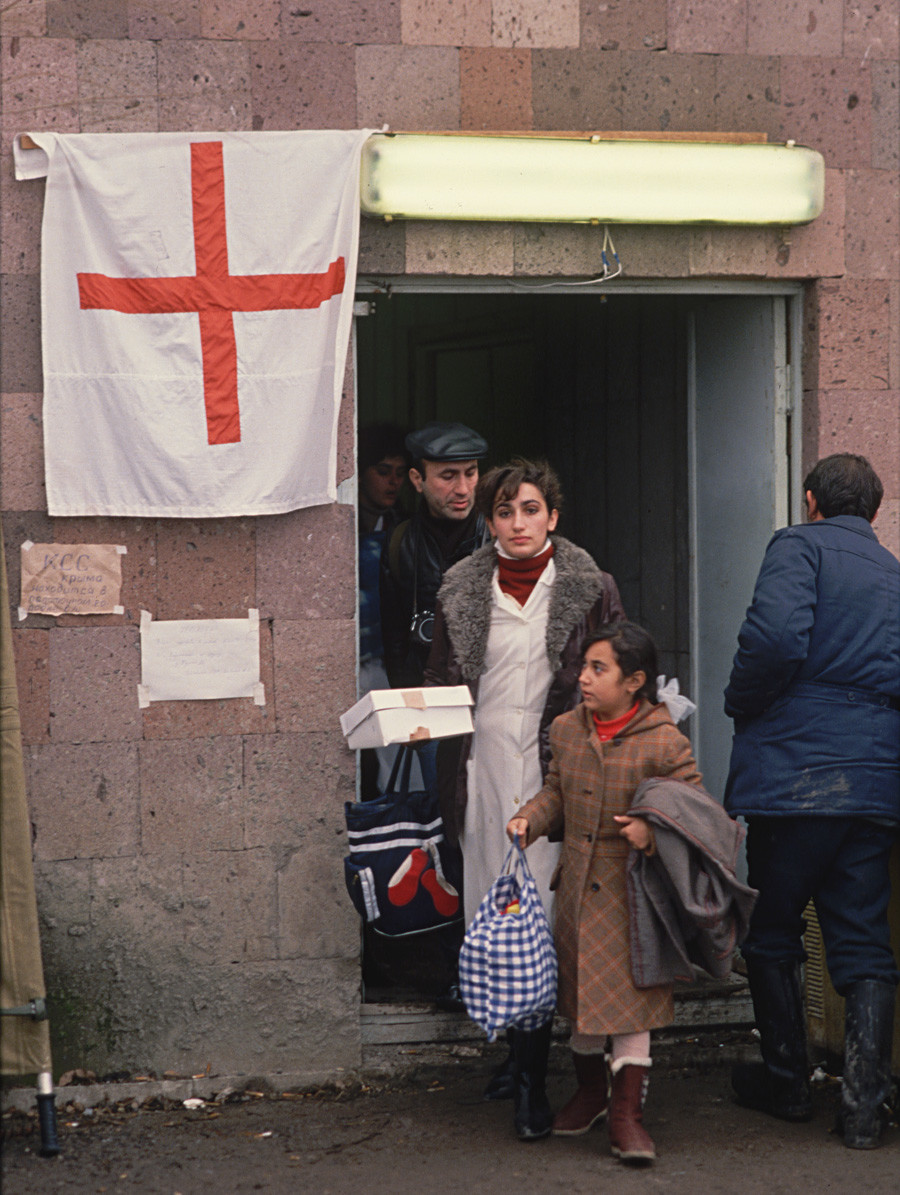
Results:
[445, 528]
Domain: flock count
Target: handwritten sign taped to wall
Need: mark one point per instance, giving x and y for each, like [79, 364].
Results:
[200, 659]
[71, 579]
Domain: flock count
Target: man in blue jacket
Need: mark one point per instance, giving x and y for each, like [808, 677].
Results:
[815, 769]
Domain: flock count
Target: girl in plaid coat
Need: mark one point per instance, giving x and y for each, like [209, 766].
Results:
[602, 750]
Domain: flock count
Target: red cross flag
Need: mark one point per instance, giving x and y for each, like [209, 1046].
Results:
[197, 295]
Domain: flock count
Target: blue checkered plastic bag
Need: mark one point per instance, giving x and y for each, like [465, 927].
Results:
[507, 964]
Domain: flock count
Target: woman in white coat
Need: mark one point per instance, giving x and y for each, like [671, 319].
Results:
[509, 623]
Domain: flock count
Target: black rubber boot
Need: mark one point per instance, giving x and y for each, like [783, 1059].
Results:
[502, 1083]
[531, 1050]
[867, 1087]
[779, 1085]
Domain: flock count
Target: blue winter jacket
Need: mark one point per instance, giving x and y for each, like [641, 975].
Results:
[815, 686]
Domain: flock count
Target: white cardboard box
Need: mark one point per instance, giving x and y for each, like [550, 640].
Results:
[408, 716]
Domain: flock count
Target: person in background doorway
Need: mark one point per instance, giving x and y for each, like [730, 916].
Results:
[444, 529]
[509, 623]
[815, 769]
[601, 751]
[382, 463]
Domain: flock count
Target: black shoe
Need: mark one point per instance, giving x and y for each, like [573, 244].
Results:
[867, 1086]
[450, 999]
[779, 1085]
[755, 1087]
[532, 1117]
[502, 1083]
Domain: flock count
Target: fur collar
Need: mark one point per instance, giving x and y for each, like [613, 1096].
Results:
[465, 597]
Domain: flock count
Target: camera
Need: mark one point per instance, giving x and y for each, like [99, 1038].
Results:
[421, 629]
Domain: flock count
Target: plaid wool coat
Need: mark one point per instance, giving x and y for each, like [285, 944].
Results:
[588, 783]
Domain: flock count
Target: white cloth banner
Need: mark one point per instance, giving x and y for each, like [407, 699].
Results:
[197, 296]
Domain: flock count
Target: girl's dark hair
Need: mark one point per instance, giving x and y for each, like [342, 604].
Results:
[502, 483]
[634, 650]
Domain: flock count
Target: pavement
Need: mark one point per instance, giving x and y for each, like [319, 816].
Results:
[415, 1122]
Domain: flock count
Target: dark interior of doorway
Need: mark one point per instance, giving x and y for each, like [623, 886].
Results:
[597, 385]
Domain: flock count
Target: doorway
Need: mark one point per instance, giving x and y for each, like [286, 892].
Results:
[671, 419]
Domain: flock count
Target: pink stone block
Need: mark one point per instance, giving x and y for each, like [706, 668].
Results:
[190, 798]
[230, 906]
[342, 21]
[707, 27]
[207, 718]
[21, 434]
[87, 18]
[153, 20]
[26, 18]
[867, 422]
[21, 211]
[315, 916]
[21, 369]
[305, 564]
[32, 655]
[535, 23]
[747, 95]
[19, 526]
[495, 89]
[816, 250]
[382, 247]
[139, 903]
[457, 247]
[827, 105]
[63, 890]
[39, 86]
[666, 92]
[94, 675]
[345, 463]
[894, 331]
[724, 252]
[575, 90]
[204, 85]
[407, 87]
[205, 569]
[853, 335]
[885, 115]
[299, 86]
[295, 781]
[237, 19]
[624, 24]
[130, 104]
[813, 27]
[315, 673]
[872, 30]
[887, 525]
[83, 800]
[445, 23]
[873, 223]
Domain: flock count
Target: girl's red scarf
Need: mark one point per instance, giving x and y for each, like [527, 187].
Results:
[519, 577]
[609, 730]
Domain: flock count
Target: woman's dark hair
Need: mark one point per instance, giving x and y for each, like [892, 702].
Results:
[845, 484]
[378, 441]
[502, 483]
[634, 650]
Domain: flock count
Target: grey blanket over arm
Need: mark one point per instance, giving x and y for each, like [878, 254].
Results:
[686, 905]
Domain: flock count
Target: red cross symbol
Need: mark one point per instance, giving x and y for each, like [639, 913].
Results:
[213, 293]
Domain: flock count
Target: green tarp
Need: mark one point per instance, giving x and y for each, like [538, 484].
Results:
[24, 1042]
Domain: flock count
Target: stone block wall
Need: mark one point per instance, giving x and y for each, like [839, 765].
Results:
[188, 855]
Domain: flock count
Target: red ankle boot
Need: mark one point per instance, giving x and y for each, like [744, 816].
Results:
[629, 1140]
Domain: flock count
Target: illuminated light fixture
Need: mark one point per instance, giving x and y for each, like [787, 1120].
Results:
[442, 176]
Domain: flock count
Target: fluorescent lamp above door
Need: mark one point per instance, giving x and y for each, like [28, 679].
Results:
[589, 179]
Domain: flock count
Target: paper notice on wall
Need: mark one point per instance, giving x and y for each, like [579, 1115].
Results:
[200, 659]
[71, 579]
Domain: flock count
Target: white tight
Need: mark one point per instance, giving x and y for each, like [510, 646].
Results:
[624, 1045]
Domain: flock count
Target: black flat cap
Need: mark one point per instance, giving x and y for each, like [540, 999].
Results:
[446, 442]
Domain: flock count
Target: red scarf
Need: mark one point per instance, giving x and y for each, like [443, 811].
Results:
[519, 577]
[609, 730]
